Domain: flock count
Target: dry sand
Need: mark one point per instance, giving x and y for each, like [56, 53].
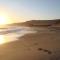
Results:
[43, 45]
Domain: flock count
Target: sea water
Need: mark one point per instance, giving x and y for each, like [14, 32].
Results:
[13, 32]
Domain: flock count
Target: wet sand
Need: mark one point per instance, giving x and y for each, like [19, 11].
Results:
[43, 45]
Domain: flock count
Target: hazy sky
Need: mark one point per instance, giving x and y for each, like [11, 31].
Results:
[31, 9]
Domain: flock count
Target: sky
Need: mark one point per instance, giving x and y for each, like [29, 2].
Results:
[23, 10]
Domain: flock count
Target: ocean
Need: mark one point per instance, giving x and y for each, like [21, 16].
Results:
[13, 32]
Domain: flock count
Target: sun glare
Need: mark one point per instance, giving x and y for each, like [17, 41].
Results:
[3, 20]
[2, 39]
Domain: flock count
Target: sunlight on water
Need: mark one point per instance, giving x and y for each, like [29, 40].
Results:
[3, 39]
[7, 38]
[10, 35]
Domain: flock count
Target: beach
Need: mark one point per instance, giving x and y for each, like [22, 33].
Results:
[42, 45]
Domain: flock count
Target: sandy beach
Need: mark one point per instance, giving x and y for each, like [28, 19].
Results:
[42, 45]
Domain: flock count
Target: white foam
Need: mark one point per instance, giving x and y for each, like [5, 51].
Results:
[12, 36]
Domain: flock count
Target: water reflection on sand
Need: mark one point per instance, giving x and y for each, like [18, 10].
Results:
[10, 35]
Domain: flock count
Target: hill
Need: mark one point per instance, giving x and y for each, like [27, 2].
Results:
[38, 23]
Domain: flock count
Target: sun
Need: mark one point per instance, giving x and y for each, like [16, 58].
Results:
[3, 20]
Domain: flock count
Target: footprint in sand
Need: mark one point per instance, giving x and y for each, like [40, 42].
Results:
[44, 50]
[49, 52]
[40, 49]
